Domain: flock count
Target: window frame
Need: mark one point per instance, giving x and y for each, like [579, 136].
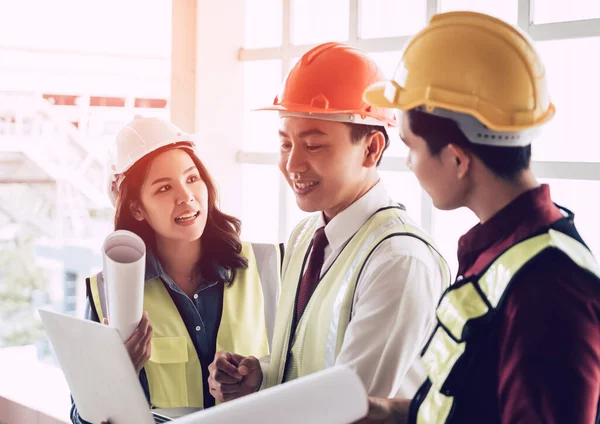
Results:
[538, 32]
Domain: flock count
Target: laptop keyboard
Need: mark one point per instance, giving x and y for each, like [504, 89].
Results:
[158, 419]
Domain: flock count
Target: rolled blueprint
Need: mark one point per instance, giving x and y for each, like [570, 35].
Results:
[124, 264]
[333, 396]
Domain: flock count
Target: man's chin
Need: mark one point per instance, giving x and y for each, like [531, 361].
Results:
[308, 207]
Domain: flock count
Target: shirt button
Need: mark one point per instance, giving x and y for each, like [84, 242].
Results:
[198, 328]
[196, 296]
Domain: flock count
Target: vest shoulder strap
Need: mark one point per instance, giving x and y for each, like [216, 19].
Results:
[495, 280]
[480, 297]
[96, 292]
[296, 237]
[269, 258]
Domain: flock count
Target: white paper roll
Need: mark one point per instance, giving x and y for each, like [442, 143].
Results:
[333, 396]
[124, 265]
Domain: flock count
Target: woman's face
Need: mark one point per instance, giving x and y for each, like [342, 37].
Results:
[174, 198]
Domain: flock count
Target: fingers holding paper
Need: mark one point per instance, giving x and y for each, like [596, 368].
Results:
[386, 411]
[139, 344]
[233, 376]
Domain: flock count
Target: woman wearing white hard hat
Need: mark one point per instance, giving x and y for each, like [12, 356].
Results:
[205, 290]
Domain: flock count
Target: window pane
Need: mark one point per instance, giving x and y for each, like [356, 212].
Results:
[507, 10]
[263, 23]
[388, 61]
[132, 27]
[390, 18]
[260, 203]
[403, 187]
[562, 11]
[573, 72]
[568, 193]
[262, 79]
[317, 21]
[448, 227]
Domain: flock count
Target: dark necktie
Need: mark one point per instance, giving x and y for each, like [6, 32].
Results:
[312, 274]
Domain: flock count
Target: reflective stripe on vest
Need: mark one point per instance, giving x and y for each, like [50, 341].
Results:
[174, 372]
[320, 331]
[474, 299]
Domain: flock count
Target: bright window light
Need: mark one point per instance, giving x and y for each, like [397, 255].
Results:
[262, 80]
[263, 23]
[561, 11]
[260, 203]
[404, 188]
[317, 21]
[505, 9]
[573, 69]
[390, 18]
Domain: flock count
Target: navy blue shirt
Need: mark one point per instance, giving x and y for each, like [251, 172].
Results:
[201, 315]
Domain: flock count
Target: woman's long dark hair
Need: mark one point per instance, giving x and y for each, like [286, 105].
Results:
[221, 243]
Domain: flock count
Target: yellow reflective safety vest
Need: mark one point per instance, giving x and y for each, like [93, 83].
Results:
[478, 299]
[174, 373]
[317, 339]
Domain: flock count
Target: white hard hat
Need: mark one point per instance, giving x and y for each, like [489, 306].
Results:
[135, 140]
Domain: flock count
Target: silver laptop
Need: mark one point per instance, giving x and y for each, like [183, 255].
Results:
[102, 379]
[105, 385]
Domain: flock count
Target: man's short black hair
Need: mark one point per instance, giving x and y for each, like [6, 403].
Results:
[360, 131]
[438, 132]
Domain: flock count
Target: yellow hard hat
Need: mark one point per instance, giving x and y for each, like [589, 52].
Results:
[473, 64]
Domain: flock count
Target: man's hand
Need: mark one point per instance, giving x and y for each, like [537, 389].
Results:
[386, 411]
[233, 376]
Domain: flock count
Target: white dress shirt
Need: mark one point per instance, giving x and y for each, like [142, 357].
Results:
[394, 305]
[393, 313]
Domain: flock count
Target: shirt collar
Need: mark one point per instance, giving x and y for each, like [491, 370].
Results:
[346, 223]
[153, 266]
[154, 270]
[528, 209]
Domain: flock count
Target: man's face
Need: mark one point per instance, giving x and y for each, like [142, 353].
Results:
[322, 165]
[437, 174]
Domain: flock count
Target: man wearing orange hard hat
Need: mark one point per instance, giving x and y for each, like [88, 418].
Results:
[518, 335]
[359, 271]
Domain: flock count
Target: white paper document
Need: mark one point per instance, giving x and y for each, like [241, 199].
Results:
[124, 265]
[333, 396]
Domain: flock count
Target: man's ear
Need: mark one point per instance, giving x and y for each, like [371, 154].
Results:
[136, 211]
[460, 158]
[375, 148]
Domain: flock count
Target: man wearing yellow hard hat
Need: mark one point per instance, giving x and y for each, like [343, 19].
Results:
[358, 271]
[518, 334]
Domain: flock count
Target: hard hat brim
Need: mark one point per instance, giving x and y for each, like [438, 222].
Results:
[375, 96]
[378, 95]
[303, 109]
[322, 111]
[186, 141]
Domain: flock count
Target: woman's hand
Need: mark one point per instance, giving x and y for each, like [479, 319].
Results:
[139, 344]
[386, 411]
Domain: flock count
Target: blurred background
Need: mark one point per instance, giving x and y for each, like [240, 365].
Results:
[72, 72]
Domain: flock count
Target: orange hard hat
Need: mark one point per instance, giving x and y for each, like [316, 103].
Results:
[328, 83]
